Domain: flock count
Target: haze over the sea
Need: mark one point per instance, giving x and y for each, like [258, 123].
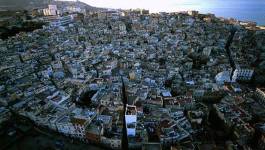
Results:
[251, 10]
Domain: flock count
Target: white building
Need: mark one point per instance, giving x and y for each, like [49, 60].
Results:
[122, 28]
[223, 77]
[65, 126]
[80, 119]
[61, 100]
[131, 119]
[114, 143]
[62, 21]
[242, 74]
[50, 11]
[74, 9]
[193, 13]
[207, 51]
[260, 94]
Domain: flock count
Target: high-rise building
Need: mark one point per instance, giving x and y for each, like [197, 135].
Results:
[242, 74]
[131, 119]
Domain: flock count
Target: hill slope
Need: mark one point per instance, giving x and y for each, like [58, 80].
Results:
[22, 4]
[31, 4]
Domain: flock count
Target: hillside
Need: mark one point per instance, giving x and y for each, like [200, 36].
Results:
[22, 4]
[31, 4]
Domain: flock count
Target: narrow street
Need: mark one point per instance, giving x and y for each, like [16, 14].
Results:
[228, 51]
[124, 135]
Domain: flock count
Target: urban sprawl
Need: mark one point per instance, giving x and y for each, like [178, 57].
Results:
[130, 79]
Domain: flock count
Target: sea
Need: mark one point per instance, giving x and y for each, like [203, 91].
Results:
[245, 10]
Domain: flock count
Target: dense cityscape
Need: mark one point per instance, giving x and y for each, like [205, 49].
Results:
[130, 79]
